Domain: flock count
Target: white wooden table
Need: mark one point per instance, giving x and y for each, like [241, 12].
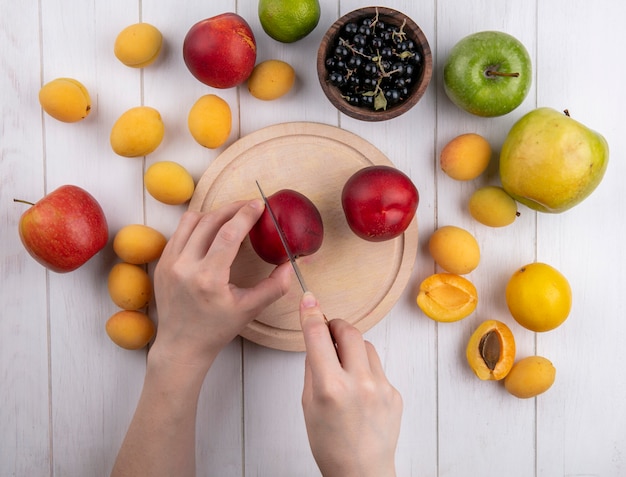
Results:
[67, 392]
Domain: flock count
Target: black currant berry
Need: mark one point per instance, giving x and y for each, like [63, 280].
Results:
[374, 64]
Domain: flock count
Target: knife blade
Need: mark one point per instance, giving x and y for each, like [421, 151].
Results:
[283, 239]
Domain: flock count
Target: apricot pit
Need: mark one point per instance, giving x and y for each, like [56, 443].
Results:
[491, 350]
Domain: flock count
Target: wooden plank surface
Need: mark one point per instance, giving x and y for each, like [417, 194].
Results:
[24, 324]
[67, 392]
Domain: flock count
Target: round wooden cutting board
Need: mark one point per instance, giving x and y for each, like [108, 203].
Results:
[353, 279]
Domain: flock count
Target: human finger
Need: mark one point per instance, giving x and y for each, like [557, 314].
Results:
[207, 228]
[185, 228]
[307, 389]
[376, 365]
[231, 234]
[267, 291]
[350, 346]
[321, 352]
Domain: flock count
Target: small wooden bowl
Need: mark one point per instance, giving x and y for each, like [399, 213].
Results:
[390, 17]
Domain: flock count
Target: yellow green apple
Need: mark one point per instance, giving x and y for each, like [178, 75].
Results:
[550, 162]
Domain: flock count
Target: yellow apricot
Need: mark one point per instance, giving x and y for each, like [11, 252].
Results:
[130, 329]
[138, 244]
[137, 132]
[65, 99]
[169, 182]
[530, 377]
[129, 286]
[492, 206]
[539, 297]
[465, 157]
[138, 45]
[490, 350]
[454, 249]
[447, 297]
[271, 79]
[210, 121]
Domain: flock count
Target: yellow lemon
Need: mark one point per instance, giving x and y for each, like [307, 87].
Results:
[169, 182]
[271, 79]
[130, 329]
[539, 297]
[289, 20]
[137, 132]
[65, 99]
[129, 286]
[138, 45]
[138, 244]
[210, 121]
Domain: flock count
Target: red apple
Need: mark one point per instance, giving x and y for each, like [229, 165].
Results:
[379, 202]
[64, 229]
[220, 51]
[300, 222]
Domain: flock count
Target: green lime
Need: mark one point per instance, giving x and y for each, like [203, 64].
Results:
[289, 20]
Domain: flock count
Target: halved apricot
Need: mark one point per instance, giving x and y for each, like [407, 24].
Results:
[447, 297]
[491, 350]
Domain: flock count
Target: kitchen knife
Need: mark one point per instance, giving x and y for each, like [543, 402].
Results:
[283, 240]
[292, 258]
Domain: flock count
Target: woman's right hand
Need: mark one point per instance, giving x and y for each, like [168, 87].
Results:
[352, 412]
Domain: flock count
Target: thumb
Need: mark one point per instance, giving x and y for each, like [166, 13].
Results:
[317, 339]
[310, 310]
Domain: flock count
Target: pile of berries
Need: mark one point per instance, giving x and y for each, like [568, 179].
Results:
[374, 64]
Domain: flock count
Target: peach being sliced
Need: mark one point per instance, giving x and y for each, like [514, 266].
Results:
[447, 297]
[491, 350]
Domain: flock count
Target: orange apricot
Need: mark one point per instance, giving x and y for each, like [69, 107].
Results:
[465, 157]
[530, 377]
[447, 297]
[491, 350]
[454, 249]
[130, 329]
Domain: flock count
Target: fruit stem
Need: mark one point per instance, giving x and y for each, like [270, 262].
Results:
[23, 201]
[491, 72]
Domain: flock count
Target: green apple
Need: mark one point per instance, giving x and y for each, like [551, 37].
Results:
[551, 162]
[488, 73]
